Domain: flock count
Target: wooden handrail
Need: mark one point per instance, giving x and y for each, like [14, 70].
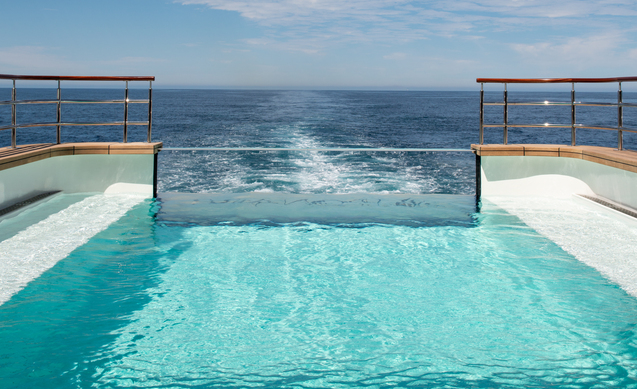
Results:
[553, 80]
[76, 78]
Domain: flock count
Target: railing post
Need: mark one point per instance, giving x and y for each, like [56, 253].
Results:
[150, 109]
[506, 115]
[620, 119]
[126, 114]
[573, 134]
[481, 113]
[59, 115]
[13, 117]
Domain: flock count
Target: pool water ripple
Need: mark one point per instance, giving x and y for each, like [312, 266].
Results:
[494, 305]
[151, 304]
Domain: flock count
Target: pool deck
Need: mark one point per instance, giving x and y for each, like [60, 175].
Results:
[107, 167]
[624, 159]
[25, 154]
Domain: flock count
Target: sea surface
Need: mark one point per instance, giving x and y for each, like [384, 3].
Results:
[316, 119]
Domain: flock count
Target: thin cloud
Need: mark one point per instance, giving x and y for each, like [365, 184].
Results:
[395, 56]
[136, 60]
[543, 8]
[354, 20]
[573, 49]
[549, 33]
[307, 46]
[45, 61]
[601, 50]
[391, 14]
[298, 11]
[31, 58]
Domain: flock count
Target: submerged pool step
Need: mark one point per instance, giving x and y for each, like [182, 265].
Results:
[335, 209]
[612, 205]
[25, 202]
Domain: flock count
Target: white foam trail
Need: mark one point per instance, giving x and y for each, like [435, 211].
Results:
[299, 172]
[29, 253]
[590, 234]
[325, 173]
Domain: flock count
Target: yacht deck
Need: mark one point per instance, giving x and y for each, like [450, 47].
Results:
[624, 159]
[12, 157]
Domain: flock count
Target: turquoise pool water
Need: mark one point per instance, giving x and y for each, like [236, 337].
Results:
[158, 301]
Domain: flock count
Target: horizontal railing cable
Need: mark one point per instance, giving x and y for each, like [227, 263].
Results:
[55, 124]
[331, 149]
[552, 125]
[577, 104]
[54, 101]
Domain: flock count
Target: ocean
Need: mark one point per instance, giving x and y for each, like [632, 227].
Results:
[316, 119]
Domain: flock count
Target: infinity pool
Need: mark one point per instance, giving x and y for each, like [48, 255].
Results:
[175, 294]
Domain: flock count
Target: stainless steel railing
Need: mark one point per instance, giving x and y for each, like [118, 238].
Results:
[319, 149]
[573, 104]
[14, 102]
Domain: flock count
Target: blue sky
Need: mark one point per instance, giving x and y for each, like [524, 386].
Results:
[375, 44]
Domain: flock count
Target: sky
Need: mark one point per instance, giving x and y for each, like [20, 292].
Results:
[324, 44]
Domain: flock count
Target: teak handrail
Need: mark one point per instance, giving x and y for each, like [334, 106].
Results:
[14, 102]
[76, 78]
[552, 80]
[573, 104]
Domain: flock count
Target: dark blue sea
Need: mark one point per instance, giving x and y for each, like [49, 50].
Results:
[316, 119]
